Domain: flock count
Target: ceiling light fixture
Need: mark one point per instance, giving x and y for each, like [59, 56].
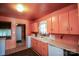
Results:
[20, 7]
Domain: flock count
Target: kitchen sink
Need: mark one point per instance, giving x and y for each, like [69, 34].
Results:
[44, 38]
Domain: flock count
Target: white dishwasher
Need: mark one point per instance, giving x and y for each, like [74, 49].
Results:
[55, 51]
[28, 41]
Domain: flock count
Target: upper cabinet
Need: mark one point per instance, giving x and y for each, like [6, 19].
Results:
[35, 27]
[63, 23]
[49, 24]
[73, 21]
[55, 24]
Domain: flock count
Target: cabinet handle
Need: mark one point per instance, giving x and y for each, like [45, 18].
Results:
[61, 36]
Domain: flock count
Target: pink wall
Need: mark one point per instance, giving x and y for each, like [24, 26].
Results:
[12, 43]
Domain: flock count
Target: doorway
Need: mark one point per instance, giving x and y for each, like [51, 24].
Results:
[20, 34]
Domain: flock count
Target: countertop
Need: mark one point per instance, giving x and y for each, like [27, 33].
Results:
[2, 38]
[59, 44]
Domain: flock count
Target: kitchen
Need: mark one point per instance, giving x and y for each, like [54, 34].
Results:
[51, 29]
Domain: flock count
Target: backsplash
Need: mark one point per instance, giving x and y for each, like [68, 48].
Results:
[69, 39]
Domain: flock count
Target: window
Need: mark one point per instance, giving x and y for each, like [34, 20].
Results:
[5, 32]
[43, 27]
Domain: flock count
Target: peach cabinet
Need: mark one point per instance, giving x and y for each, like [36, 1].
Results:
[37, 45]
[55, 24]
[40, 47]
[35, 27]
[73, 21]
[63, 23]
[44, 49]
[49, 25]
[34, 43]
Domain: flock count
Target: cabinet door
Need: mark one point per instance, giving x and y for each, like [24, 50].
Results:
[39, 47]
[45, 50]
[73, 21]
[35, 27]
[49, 25]
[63, 23]
[55, 24]
[33, 43]
[36, 45]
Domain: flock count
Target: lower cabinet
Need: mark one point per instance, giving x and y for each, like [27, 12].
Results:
[55, 51]
[34, 44]
[45, 49]
[40, 47]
